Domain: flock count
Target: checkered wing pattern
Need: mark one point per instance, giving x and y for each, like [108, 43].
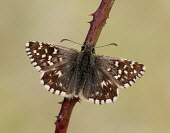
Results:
[60, 71]
[99, 87]
[123, 72]
[60, 81]
[56, 63]
[44, 56]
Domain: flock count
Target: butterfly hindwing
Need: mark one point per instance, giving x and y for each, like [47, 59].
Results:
[58, 81]
[99, 87]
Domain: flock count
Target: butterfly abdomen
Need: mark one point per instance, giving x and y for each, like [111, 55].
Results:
[82, 72]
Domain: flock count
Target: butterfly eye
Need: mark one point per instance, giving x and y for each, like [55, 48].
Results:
[82, 48]
[93, 51]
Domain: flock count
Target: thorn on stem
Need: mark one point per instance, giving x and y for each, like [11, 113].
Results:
[60, 102]
[92, 14]
[89, 22]
[59, 117]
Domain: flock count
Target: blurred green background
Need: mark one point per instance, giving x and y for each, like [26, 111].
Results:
[140, 28]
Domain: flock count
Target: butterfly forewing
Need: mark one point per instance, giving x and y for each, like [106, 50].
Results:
[123, 72]
[56, 63]
[45, 56]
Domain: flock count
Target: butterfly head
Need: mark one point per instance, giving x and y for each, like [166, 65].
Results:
[88, 48]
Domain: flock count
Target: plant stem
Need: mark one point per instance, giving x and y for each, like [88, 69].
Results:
[99, 20]
[64, 115]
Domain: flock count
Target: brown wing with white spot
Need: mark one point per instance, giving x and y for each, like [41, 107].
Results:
[99, 87]
[123, 72]
[57, 65]
[60, 81]
[45, 56]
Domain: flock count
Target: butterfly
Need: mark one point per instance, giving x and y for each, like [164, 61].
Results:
[70, 73]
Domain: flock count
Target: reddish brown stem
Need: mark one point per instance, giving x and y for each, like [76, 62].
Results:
[99, 20]
[64, 115]
[96, 25]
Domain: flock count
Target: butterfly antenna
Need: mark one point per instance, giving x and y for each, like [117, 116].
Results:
[70, 41]
[107, 45]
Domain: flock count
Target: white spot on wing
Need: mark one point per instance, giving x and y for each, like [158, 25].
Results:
[60, 85]
[63, 93]
[102, 102]
[34, 51]
[50, 63]
[34, 63]
[142, 72]
[131, 83]
[29, 53]
[125, 72]
[108, 101]
[59, 73]
[42, 74]
[117, 92]
[49, 57]
[135, 71]
[57, 92]
[115, 98]
[47, 87]
[122, 79]
[116, 77]
[27, 49]
[134, 79]
[40, 47]
[51, 90]
[31, 59]
[60, 59]
[96, 101]
[119, 71]
[139, 75]
[116, 63]
[46, 51]
[125, 66]
[132, 63]
[126, 85]
[144, 68]
[38, 68]
[55, 51]
[27, 44]
[103, 83]
[40, 43]
[43, 55]
[42, 82]
[108, 69]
